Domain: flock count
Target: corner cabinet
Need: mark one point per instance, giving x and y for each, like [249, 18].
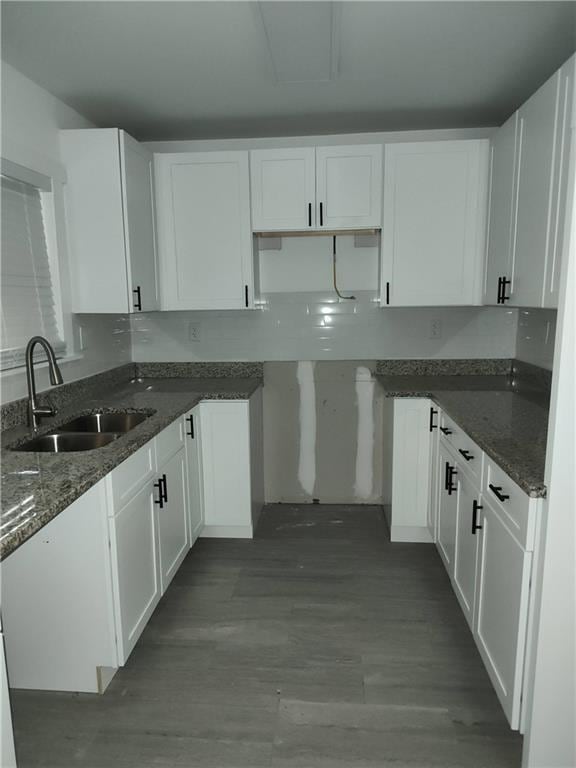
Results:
[528, 197]
[204, 236]
[316, 188]
[110, 219]
[434, 223]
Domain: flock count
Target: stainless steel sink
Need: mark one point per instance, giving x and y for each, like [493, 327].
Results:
[104, 422]
[66, 442]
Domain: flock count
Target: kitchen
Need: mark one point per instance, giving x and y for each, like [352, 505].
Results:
[249, 325]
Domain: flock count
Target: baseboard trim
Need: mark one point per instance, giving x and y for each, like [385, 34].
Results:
[410, 533]
[227, 532]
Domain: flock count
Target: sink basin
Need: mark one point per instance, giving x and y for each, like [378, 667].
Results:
[104, 422]
[66, 443]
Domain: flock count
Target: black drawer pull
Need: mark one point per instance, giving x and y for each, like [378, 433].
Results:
[451, 488]
[475, 508]
[468, 456]
[496, 490]
[309, 214]
[138, 299]
[433, 412]
[321, 215]
[445, 431]
[160, 499]
[190, 420]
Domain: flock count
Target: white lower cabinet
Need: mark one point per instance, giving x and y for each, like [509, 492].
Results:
[485, 528]
[468, 527]
[447, 508]
[232, 472]
[502, 592]
[410, 458]
[194, 467]
[173, 517]
[135, 567]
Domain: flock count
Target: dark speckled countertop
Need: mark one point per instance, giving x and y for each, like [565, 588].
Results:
[37, 486]
[509, 425]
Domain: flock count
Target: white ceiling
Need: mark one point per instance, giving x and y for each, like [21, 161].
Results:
[183, 70]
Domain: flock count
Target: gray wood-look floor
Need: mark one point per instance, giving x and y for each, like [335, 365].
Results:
[318, 644]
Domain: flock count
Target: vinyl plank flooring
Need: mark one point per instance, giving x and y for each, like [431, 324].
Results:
[318, 644]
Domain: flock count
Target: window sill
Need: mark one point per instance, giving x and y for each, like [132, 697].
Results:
[21, 369]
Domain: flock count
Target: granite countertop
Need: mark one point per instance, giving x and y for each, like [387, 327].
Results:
[37, 486]
[509, 425]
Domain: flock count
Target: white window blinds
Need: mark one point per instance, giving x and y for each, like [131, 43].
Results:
[28, 307]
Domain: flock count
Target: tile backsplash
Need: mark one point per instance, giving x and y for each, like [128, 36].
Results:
[100, 342]
[318, 326]
[535, 337]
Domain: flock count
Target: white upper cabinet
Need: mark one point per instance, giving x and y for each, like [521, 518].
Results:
[528, 197]
[205, 242]
[110, 221]
[316, 188]
[283, 189]
[500, 251]
[349, 187]
[434, 223]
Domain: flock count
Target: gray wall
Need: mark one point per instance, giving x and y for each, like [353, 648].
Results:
[535, 337]
[322, 432]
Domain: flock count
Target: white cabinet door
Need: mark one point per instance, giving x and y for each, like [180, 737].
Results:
[283, 189]
[466, 546]
[109, 220]
[7, 752]
[135, 566]
[57, 601]
[411, 460]
[226, 468]
[434, 223]
[194, 470]
[503, 581]
[205, 242]
[173, 518]
[502, 216]
[566, 97]
[447, 508]
[349, 186]
[538, 122]
[137, 197]
[433, 472]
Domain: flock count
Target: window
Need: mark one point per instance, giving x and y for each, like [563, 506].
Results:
[27, 282]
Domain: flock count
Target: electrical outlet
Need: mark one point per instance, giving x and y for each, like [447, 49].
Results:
[436, 328]
[194, 331]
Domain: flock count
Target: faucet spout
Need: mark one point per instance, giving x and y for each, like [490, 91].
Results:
[35, 411]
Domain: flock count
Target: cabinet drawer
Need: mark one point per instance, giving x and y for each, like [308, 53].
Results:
[469, 455]
[129, 476]
[169, 441]
[516, 508]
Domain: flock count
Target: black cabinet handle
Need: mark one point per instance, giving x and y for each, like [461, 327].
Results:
[502, 283]
[246, 295]
[321, 215]
[468, 456]
[451, 472]
[309, 214]
[165, 484]
[138, 299]
[505, 282]
[387, 293]
[160, 500]
[445, 431]
[446, 475]
[475, 508]
[190, 420]
[433, 412]
[496, 490]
